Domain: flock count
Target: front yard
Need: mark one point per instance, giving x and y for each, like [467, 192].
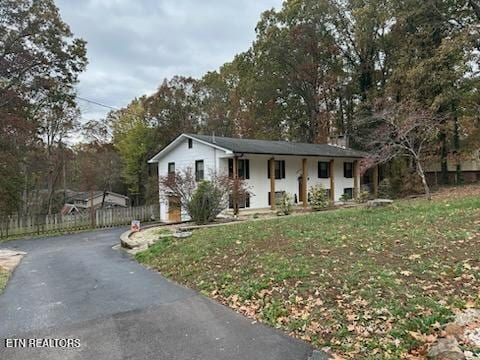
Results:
[366, 283]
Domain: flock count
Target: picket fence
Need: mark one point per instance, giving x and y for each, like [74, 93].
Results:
[15, 225]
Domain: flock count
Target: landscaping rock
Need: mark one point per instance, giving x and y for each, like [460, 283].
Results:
[138, 249]
[446, 349]
[320, 355]
[379, 203]
[182, 234]
[467, 317]
[471, 356]
[472, 336]
[147, 236]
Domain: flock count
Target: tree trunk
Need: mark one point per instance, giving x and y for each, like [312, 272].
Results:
[456, 145]
[424, 180]
[103, 197]
[443, 159]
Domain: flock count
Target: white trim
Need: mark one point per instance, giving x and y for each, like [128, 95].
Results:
[174, 143]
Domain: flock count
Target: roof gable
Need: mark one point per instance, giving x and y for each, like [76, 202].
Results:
[178, 140]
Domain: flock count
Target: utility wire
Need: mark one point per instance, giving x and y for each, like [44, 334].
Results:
[97, 103]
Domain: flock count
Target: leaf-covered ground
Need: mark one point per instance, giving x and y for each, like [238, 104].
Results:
[366, 283]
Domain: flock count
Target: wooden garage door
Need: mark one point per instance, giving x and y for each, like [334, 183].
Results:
[174, 209]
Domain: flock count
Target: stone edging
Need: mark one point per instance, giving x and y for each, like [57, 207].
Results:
[125, 237]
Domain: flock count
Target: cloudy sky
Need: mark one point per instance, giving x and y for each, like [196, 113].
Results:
[134, 44]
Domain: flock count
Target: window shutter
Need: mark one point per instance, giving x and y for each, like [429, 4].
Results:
[247, 169]
[268, 172]
[283, 169]
[230, 168]
[269, 202]
[347, 169]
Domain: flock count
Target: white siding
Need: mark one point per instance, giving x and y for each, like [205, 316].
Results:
[184, 158]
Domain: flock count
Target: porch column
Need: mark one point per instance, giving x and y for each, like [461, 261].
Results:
[272, 183]
[375, 181]
[304, 182]
[356, 180]
[332, 180]
[235, 179]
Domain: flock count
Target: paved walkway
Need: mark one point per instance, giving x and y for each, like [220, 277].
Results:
[77, 286]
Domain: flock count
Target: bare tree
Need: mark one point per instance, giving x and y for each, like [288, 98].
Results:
[400, 130]
[221, 190]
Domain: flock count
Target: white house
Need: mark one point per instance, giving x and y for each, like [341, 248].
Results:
[295, 166]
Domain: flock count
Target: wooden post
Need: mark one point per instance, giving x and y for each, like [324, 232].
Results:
[272, 183]
[92, 210]
[356, 180]
[235, 182]
[304, 182]
[332, 180]
[375, 181]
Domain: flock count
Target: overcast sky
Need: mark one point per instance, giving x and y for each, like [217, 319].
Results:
[132, 45]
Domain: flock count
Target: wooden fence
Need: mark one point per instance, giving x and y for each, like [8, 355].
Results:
[101, 218]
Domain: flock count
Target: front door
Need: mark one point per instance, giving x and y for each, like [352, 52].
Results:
[174, 209]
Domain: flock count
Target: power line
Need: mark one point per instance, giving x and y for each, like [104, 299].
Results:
[97, 103]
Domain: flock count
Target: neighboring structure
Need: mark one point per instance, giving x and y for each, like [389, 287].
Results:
[69, 209]
[83, 200]
[294, 167]
[470, 170]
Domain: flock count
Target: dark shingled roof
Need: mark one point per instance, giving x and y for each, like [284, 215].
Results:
[251, 146]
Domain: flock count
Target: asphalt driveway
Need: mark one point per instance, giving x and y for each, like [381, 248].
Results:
[78, 287]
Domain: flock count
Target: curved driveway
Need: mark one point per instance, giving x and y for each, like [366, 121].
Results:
[77, 286]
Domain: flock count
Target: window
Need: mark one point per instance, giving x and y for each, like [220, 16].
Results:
[171, 168]
[190, 143]
[279, 169]
[278, 197]
[348, 192]
[243, 168]
[199, 170]
[171, 171]
[328, 193]
[323, 170]
[348, 170]
[244, 201]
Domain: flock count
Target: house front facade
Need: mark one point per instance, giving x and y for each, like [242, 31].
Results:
[269, 168]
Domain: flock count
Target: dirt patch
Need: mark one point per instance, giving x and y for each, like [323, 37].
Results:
[9, 259]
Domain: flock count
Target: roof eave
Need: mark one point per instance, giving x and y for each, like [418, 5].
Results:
[305, 155]
[175, 141]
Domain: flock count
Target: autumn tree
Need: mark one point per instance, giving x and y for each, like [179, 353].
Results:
[401, 130]
[39, 64]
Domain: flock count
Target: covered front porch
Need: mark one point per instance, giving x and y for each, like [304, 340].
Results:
[269, 176]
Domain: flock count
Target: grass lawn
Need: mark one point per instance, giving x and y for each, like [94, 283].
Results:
[365, 282]
[3, 279]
